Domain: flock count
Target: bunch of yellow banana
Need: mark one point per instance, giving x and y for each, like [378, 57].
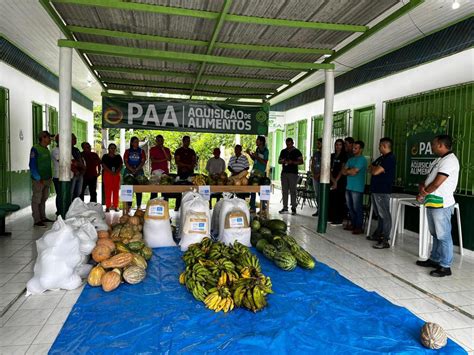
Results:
[219, 300]
[182, 278]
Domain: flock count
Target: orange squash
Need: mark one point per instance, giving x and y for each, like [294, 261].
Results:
[119, 260]
[103, 234]
[124, 218]
[134, 221]
[139, 213]
[111, 280]
[107, 242]
[95, 276]
[101, 253]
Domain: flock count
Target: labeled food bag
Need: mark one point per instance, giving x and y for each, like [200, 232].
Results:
[62, 257]
[157, 227]
[195, 224]
[234, 222]
[216, 212]
[91, 211]
[187, 196]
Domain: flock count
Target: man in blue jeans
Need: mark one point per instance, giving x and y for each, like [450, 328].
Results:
[355, 169]
[383, 174]
[437, 195]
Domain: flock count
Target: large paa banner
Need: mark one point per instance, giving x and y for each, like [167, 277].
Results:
[419, 153]
[183, 116]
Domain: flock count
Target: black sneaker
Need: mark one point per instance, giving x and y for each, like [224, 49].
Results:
[293, 211]
[381, 245]
[441, 272]
[315, 214]
[47, 220]
[40, 224]
[427, 263]
[336, 223]
[283, 210]
[375, 237]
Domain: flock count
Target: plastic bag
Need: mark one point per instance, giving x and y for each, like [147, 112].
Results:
[216, 213]
[234, 220]
[195, 225]
[157, 227]
[60, 262]
[92, 212]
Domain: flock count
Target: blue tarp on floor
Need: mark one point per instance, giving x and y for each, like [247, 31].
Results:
[311, 312]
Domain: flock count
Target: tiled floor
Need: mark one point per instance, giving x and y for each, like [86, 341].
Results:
[30, 325]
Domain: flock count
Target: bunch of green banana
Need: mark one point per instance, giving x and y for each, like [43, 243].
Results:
[199, 292]
[193, 255]
[250, 261]
[250, 296]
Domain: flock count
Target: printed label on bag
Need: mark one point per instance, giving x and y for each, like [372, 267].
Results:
[265, 191]
[197, 226]
[205, 192]
[156, 211]
[126, 193]
[236, 222]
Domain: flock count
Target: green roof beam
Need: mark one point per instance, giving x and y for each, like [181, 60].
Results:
[168, 10]
[192, 42]
[374, 29]
[210, 48]
[107, 49]
[199, 93]
[186, 86]
[189, 75]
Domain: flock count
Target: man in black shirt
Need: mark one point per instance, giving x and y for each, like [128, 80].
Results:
[290, 158]
[383, 175]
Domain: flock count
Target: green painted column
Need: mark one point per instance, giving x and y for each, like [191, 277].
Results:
[64, 197]
[326, 151]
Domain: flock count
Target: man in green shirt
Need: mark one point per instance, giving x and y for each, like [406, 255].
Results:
[260, 158]
[41, 175]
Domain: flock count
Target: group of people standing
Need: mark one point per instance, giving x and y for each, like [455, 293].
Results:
[348, 176]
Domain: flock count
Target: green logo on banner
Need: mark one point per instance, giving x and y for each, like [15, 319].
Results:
[261, 116]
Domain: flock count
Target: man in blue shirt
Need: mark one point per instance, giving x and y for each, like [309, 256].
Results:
[383, 174]
[355, 170]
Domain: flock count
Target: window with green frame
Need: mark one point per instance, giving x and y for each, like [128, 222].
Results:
[301, 145]
[79, 128]
[53, 120]
[455, 105]
[340, 126]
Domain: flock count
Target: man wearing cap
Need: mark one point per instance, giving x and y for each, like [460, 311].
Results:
[41, 174]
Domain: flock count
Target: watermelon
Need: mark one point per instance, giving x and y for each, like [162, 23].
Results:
[266, 233]
[285, 260]
[276, 225]
[279, 243]
[255, 225]
[129, 179]
[303, 258]
[254, 238]
[261, 244]
[269, 251]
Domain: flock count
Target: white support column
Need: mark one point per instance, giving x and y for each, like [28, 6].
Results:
[326, 150]
[65, 126]
[122, 141]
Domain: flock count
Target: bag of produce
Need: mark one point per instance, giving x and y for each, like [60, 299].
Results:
[62, 257]
[234, 222]
[195, 224]
[216, 213]
[187, 196]
[157, 227]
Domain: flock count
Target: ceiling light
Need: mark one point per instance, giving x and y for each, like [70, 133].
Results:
[455, 5]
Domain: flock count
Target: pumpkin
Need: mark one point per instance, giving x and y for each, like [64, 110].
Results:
[115, 235]
[134, 274]
[139, 213]
[121, 248]
[95, 276]
[139, 261]
[107, 242]
[111, 280]
[119, 260]
[134, 221]
[103, 234]
[146, 252]
[101, 253]
[124, 218]
[433, 336]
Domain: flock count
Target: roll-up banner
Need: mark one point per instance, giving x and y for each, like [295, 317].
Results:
[183, 116]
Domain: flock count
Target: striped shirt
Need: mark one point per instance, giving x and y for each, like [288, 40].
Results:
[237, 164]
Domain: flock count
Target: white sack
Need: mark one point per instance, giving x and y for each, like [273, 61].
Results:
[231, 234]
[216, 213]
[195, 224]
[157, 227]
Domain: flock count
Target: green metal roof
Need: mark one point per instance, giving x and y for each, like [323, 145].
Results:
[221, 48]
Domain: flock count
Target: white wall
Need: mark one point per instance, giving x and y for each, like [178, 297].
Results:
[23, 91]
[452, 70]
